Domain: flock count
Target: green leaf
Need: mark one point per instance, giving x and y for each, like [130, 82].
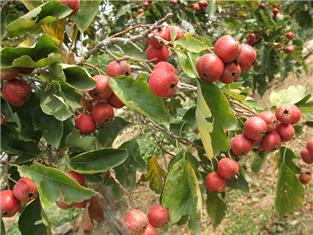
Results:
[155, 175]
[186, 62]
[219, 105]
[71, 97]
[205, 128]
[106, 135]
[52, 129]
[78, 78]
[45, 13]
[2, 230]
[216, 208]
[78, 143]
[182, 195]
[54, 184]
[126, 172]
[98, 161]
[136, 95]
[53, 104]
[86, 14]
[258, 161]
[41, 55]
[219, 139]
[291, 95]
[191, 44]
[289, 191]
[30, 221]
[287, 156]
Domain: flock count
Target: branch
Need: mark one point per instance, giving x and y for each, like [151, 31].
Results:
[108, 41]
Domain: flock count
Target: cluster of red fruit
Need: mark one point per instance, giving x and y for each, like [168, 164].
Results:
[275, 10]
[156, 51]
[138, 223]
[200, 6]
[267, 130]
[226, 169]
[79, 179]
[102, 95]
[23, 192]
[15, 91]
[227, 62]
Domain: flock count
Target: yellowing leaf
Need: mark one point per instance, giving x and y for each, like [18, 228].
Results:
[27, 42]
[55, 30]
[155, 175]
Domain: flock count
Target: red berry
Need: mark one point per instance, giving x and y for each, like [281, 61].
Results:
[262, 6]
[102, 113]
[289, 49]
[270, 142]
[118, 67]
[16, 92]
[77, 177]
[306, 156]
[146, 4]
[227, 48]
[240, 145]
[116, 102]
[166, 66]
[296, 114]
[246, 57]
[275, 11]
[210, 67]
[163, 83]
[285, 113]
[174, 2]
[196, 7]
[270, 119]
[179, 32]
[102, 89]
[136, 221]
[85, 123]
[305, 178]
[157, 54]
[140, 11]
[309, 146]
[150, 230]
[25, 190]
[162, 33]
[290, 35]
[252, 39]
[9, 74]
[215, 183]
[231, 73]
[227, 168]
[158, 216]
[254, 128]
[203, 4]
[9, 205]
[286, 131]
[74, 4]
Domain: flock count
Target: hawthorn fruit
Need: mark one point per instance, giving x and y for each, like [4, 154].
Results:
[157, 54]
[215, 183]
[136, 221]
[210, 67]
[227, 48]
[158, 216]
[25, 190]
[227, 168]
[85, 123]
[9, 205]
[163, 83]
